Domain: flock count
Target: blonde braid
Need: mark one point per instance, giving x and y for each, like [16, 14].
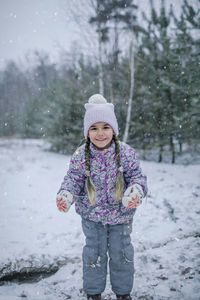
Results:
[119, 185]
[89, 184]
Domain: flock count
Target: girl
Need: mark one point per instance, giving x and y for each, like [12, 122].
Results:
[106, 183]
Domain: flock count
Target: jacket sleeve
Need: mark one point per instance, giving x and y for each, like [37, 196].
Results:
[132, 171]
[74, 180]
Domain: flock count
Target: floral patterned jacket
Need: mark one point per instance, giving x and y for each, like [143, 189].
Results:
[103, 172]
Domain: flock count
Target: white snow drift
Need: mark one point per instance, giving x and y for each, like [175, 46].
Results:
[37, 239]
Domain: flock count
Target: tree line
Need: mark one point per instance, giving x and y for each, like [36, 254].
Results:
[151, 74]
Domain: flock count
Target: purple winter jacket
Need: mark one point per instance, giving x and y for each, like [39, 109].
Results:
[103, 172]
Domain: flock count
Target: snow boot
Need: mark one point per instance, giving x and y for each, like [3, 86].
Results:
[94, 297]
[124, 297]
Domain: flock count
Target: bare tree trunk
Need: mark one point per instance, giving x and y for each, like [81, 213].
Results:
[160, 158]
[144, 152]
[172, 148]
[180, 147]
[113, 61]
[101, 86]
[111, 87]
[132, 70]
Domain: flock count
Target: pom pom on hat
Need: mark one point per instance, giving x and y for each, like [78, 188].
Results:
[97, 99]
[99, 110]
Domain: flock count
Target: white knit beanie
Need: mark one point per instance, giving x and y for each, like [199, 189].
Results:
[99, 110]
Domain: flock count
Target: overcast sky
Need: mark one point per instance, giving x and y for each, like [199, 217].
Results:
[40, 24]
[33, 24]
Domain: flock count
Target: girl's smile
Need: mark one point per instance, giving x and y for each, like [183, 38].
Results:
[101, 135]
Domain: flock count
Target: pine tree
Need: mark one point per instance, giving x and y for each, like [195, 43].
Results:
[187, 48]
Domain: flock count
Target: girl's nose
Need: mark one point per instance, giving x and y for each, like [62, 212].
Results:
[100, 132]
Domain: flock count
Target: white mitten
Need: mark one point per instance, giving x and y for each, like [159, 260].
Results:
[64, 200]
[133, 196]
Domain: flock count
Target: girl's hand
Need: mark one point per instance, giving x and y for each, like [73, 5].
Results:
[64, 200]
[133, 196]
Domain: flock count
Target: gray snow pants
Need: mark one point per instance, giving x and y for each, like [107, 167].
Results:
[114, 240]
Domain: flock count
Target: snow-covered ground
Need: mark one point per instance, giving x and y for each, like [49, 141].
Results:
[36, 238]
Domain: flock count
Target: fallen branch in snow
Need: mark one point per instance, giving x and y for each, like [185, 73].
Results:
[33, 268]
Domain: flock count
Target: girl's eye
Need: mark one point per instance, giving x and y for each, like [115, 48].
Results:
[106, 127]
[93, 128]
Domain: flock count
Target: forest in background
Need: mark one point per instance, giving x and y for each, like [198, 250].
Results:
[151, 74]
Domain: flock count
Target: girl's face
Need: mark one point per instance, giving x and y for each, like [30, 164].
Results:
[101, 135]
